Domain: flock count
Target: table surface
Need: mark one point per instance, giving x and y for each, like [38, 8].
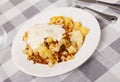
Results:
[103, 66]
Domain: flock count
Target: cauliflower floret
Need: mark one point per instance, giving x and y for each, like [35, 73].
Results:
[72, 50]
[77, 37]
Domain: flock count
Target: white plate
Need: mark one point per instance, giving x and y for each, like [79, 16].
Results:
[84, 53]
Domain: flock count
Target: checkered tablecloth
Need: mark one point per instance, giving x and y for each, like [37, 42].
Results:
[103, 66]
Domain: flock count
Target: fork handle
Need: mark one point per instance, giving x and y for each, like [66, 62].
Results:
[106, 16]
[112, 5]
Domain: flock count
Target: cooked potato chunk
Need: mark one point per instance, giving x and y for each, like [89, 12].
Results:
[49, 39]
[84, 31]
[72, 50]
[44, 51]
[25, 37]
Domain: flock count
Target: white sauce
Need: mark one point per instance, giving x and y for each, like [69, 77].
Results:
[37, 34]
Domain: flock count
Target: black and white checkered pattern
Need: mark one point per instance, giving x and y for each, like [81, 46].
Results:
[103, 66]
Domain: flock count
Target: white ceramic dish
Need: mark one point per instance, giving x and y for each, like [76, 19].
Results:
[81, 56]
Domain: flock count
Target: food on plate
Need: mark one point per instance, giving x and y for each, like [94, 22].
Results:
[55, 42]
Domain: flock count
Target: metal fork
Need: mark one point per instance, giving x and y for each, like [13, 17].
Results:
[110, 18]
